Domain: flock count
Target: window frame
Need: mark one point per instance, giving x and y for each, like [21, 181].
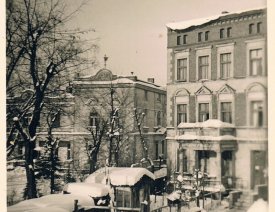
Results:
[184, 39]
[203, 51]
[199, 36]
[222, 33]
[206, 36]
[229, 32]
[178, 40]
[182, 112]
[182, 55]
[182, 69]
[182, 97]
[230, 112]
[256, 93]
[225, 49]
[259, 27]
[250, 28]
[252, 45]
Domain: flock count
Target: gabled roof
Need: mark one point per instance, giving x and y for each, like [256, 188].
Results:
[119, 176]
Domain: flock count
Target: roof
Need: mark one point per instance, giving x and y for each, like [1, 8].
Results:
[119, 176]
[52, 202]
[105, 76]
[86, 189]
[197, 22]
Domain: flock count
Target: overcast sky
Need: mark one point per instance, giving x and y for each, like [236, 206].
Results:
[132, 33]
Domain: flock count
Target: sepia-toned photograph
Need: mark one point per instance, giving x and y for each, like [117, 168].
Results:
[141, 105]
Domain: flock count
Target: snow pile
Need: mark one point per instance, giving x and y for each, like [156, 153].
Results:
[86, 189]
[210, 123]
[259, 205]
[119, 176]
[176, 195]
[53, 202]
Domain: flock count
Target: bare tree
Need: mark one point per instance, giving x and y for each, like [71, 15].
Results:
[41, 56]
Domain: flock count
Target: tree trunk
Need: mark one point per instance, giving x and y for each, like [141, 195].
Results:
[93, 161]
[31, 184]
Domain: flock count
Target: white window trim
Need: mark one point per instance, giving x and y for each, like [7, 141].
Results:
[203, 99]
[203, 51]
[255, 96]
[223, 49]
[182, 55]
[181, 100]
[226, 98]
[255, 44]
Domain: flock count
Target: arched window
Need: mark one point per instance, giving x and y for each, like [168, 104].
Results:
[256, 105]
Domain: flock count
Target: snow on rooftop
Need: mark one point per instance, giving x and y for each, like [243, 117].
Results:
[196, 22]
[205, 138]
[210, 123]
[119, 176]
[86, 189]
[59, 202]
[122, 80]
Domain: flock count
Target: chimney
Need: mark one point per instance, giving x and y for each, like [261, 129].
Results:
[151, 80]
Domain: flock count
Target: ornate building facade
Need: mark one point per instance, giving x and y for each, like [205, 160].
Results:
[217, 98]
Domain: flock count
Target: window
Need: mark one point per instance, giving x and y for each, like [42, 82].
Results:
[204, 160]
[158, 118]
[160, 146]
[178, 40]
[203, 67]
[225, 65]
[123, 197]
[182, 69]
[259, 27]
[145, 117]
[199, 36]
[94, 119]
[226, 112]
[184, 39]
[56, 120]
[251, 26]
[227, 163]
[64, 151]
[158, 97]
[206, 35]
[256, 114]
[68, 151]
[181, 113]
[256, 56]
[229, 31]
[221, 33]
[145, 95]
[203, 112]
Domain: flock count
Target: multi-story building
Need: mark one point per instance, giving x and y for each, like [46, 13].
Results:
[87, 101]
[217, 97]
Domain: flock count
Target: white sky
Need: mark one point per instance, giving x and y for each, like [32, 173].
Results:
[133, 33]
